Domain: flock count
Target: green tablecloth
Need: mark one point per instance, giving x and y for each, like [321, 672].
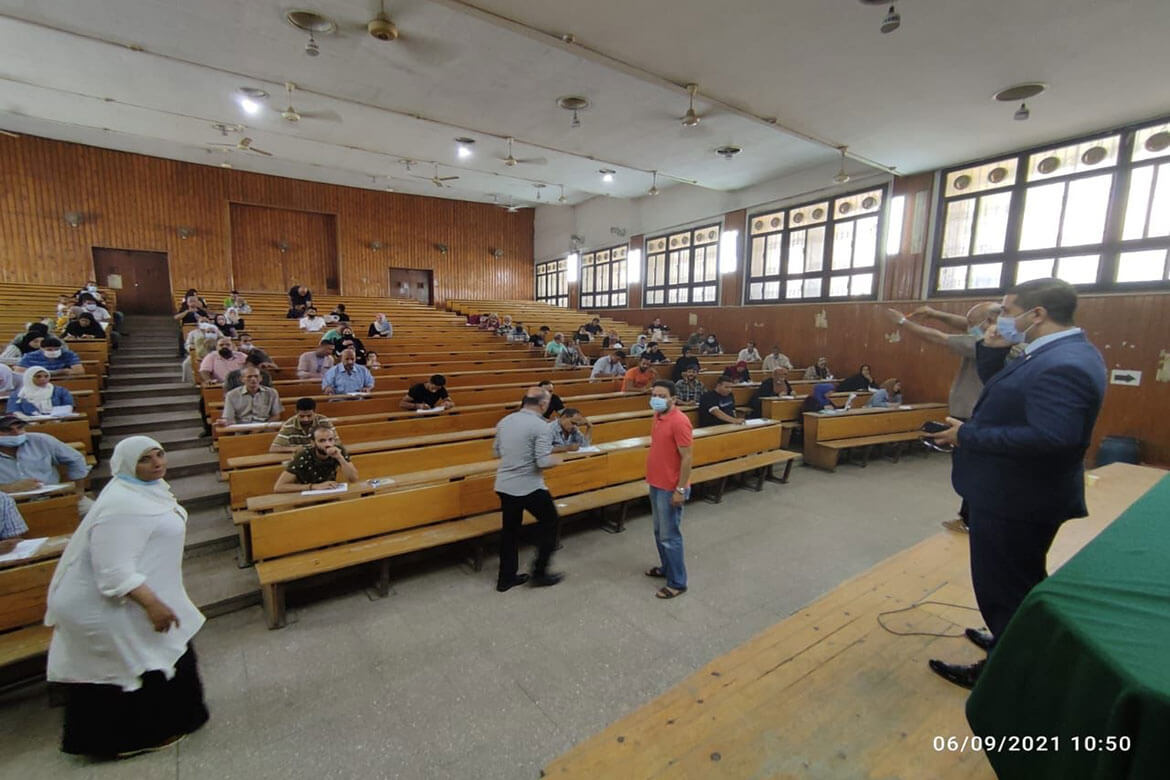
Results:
[1088, 655]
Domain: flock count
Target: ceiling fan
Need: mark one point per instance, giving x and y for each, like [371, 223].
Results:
[437, 180]
[427, 50]
[290, 114]
[244, 145]
[511, 161]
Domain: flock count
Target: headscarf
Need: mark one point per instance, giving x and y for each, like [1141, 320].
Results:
[40, 397]
[381, 325]
[232, 315]
[79, 328]
[821, 394]
[37, 330]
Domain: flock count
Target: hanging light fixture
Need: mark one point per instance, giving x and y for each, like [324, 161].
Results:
[463, 147]
[892, 21]
[1022, 113]
[842, 177]
[562, 200]
[654, 185]
[607, 175]
[690, 118]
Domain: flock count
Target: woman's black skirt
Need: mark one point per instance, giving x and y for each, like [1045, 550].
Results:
[104, 720]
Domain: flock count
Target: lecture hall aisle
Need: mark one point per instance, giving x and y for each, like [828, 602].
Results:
[145, 394]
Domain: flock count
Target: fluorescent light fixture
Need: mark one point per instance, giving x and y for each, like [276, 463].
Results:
[634, 266]
[729, 251]
[894, 225]
[463, 147]
[607, 175]
[572, 267]
[249, 105]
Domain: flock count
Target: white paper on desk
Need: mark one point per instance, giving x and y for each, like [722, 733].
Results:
[247, 426]
[590, 448]
[26, 548]
[379, 481]
[432, 410]
[357, 394]
[757, 421]
[904, 406]
[61, 411]
[339, 489]
[43, 489]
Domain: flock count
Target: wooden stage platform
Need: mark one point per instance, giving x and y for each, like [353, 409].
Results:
[829, 693]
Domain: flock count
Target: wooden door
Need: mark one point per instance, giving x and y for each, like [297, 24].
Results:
[144, 277]
[412, 283]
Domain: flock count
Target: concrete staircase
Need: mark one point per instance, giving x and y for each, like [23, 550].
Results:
[145, 395]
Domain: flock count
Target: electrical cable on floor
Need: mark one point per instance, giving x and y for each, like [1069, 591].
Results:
[922, 633]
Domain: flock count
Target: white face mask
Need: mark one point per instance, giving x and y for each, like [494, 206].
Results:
[245, 347]
[90, 306]
[52, 353]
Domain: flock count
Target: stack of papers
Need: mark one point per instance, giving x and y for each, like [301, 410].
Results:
[247, 426]
[26, 548]
[433, 410]
[590, 448]
[339, 489]
[757, 421]
[53, 488]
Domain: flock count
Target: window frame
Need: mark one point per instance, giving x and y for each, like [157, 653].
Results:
[556, 270]
[1109, 249]
[617, 278]
[826, 273]
[690, 285]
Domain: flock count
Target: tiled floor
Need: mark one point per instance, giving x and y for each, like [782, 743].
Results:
[447, 678]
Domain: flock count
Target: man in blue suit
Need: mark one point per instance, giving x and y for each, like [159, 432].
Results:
[1019, 460]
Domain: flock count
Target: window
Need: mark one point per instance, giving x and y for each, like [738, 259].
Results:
[1094, 212]
[683, 267]
[603, 279]
[551, 286]
[816, 251]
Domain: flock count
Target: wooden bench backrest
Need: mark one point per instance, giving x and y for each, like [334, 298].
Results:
[23, 593]
[50, 516]
[785, 409]
[852, 424]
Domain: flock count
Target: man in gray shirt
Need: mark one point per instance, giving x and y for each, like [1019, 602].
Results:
[967, 386]
[523, 444]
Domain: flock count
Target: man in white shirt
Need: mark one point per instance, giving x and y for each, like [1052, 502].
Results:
[749, 354]
[776, 359]
[311, 322]
[611, 366]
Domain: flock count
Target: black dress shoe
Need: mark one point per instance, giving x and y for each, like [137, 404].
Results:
[980, 638]
[963, 675]
[519, 579]
[546, 580]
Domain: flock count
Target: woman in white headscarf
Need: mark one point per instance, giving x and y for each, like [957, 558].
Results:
[122, 619]
[380, 328]
[38, 394]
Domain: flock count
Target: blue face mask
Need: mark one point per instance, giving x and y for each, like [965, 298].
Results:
[659, 404]
[1006, 326]
[136, 481]
[13, 441]
[975, 331]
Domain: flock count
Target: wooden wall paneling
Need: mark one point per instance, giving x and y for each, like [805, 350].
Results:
[138, 202]
[310, 259]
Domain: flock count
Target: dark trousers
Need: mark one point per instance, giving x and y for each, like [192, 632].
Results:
[540, 505]
[1008, 558]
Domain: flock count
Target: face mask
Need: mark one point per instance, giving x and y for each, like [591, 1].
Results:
[52, 353]
[710, 340]
[245, 347]
[1006, 326]
[227, 353]
[60, 308]
[91, 287]
[90, 306]
[975, 331]
[13, 441]
[659, 404]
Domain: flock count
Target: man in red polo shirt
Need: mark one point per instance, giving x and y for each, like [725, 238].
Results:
[668, 470]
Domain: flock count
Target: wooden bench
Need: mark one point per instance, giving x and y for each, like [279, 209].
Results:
[302, 542]
[24, 590]
[827, 435]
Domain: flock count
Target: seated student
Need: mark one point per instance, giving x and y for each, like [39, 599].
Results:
[818, 400]
[225, 327]
[570, 357]
[555, 404]
[654, 354]
[862, 380]
[190, 292]
[639, 378]
[776, 359]
[717, 406]
[688, 389]
[372, 361]
[38, 394]
[554, 347]
[680, 365]
[582, 336]
[519, 333]
[710, 346]
[299, 295]
[234, 318]
[889, 394]
[541, 337]
[8, 380]
[297, 430]
[236, 378]
[738, 372]
[338, 314]
[346, 340]
[296, 312]
[191, 310]
[380, 328]
[314, 363]
[571, 431]
[347, 377]
[315, 465]
[431, 394]
[639, 345]
[12, 525]
[504, 327]
[249, 348]
[819, 370]
[609, 366]
[30, 460]
[237, 302]
[773, 386]
[612, 340]
[54, 356]
[749, 354]
[696, 339]
[216, 366]
[657, 325]
[84, 327]
[593, 328]
[251, 402]
[312, 322]
[489, 321]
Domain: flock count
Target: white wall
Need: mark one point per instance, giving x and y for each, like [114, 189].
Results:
[680, 204]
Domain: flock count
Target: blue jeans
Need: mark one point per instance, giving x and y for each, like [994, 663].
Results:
[668, 536]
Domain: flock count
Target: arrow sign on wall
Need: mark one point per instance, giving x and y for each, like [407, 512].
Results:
[1124, 376]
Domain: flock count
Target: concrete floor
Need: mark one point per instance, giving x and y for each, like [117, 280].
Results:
[447, 678]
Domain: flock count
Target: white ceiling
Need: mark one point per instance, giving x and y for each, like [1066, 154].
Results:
[916, 99]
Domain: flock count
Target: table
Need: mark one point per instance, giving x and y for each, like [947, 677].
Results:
[1086, 656]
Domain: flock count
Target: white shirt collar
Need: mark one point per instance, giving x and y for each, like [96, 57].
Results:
[1060, 334]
